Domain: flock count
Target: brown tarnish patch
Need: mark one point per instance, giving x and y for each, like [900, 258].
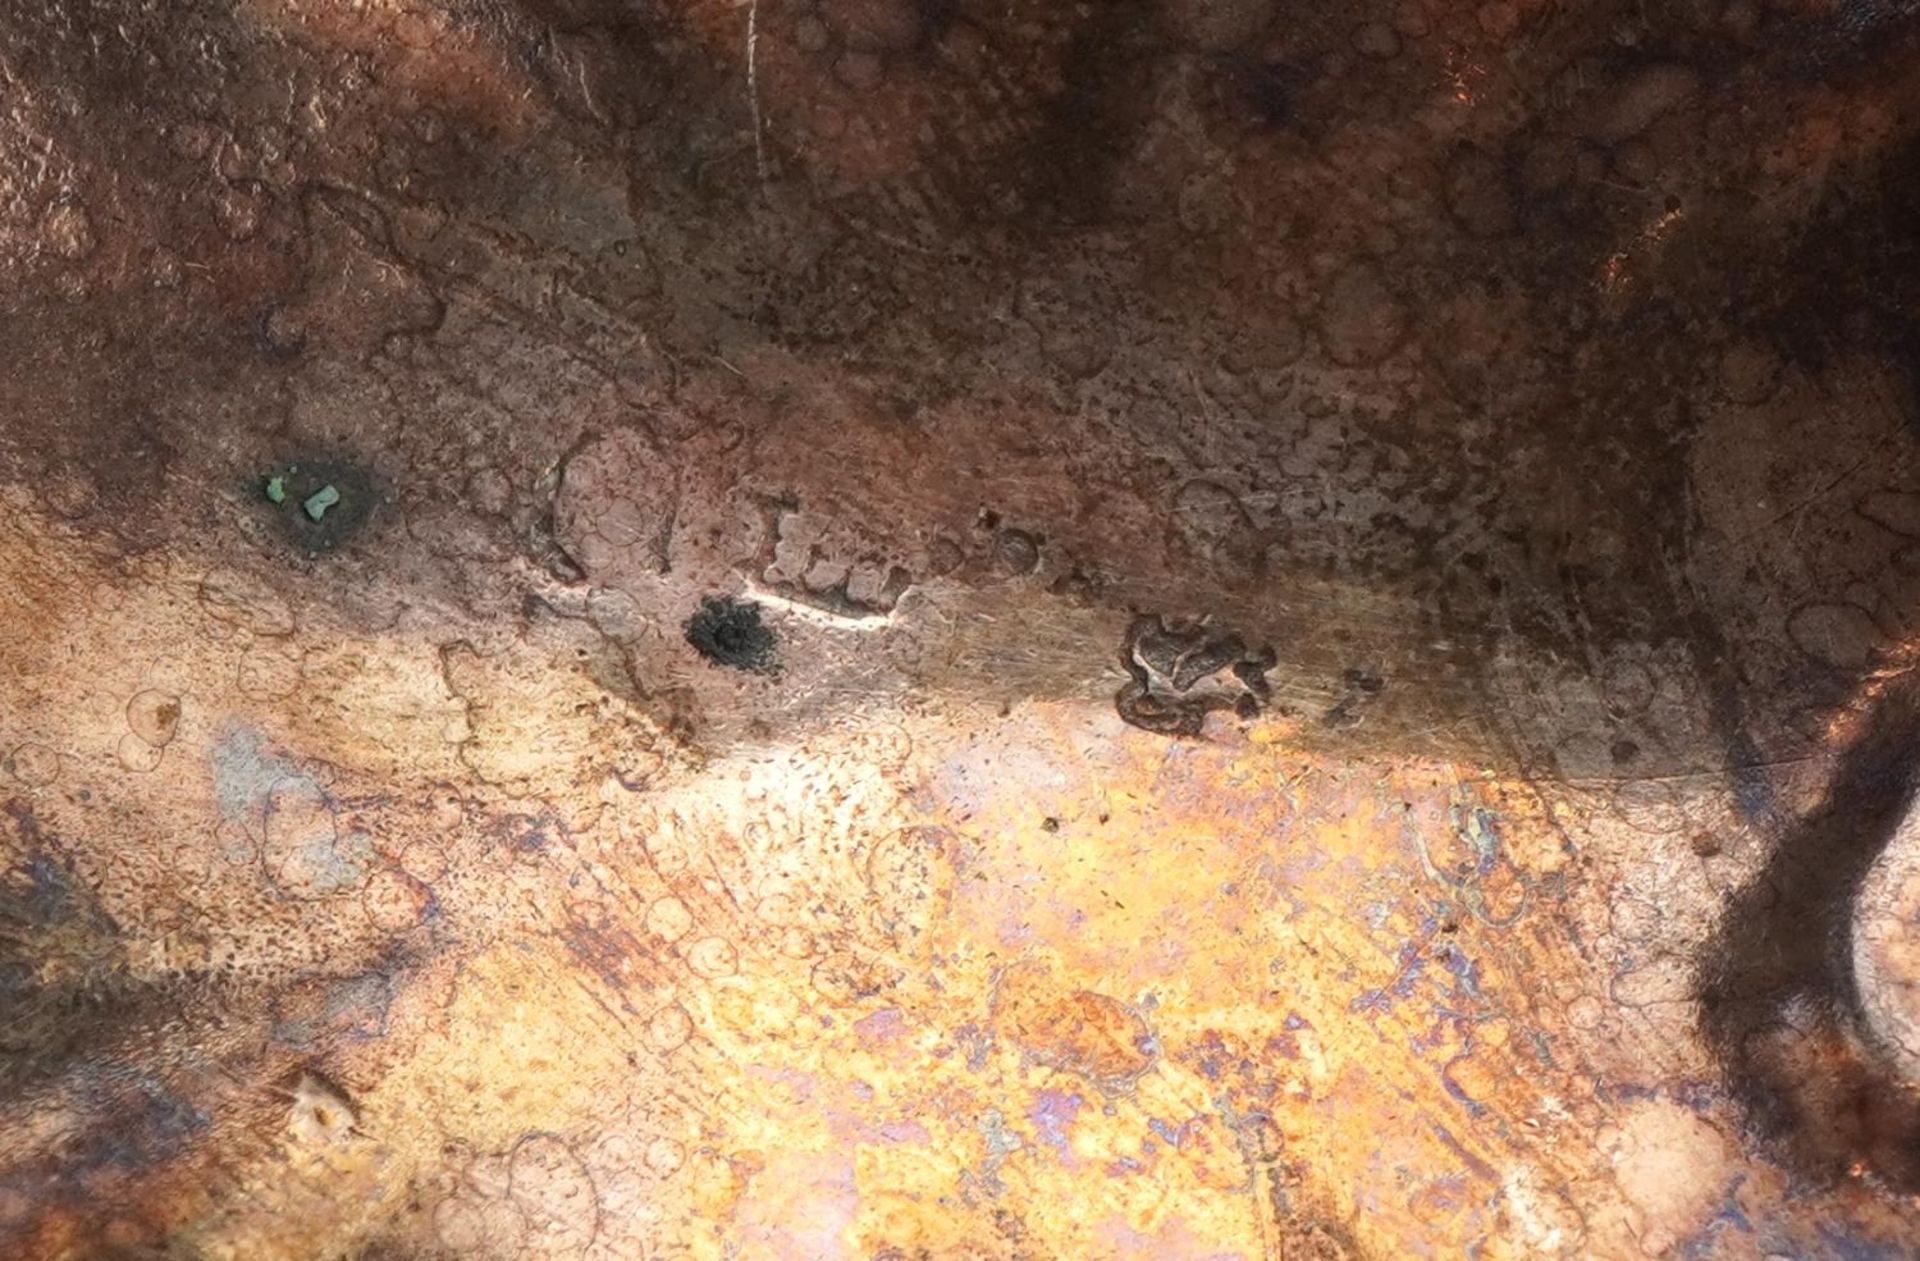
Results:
[1079, 1031]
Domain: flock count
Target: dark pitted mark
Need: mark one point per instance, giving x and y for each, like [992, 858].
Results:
[1080, 584]
[320, 504]
[1362, 687]
[1179, 674]
[529, 835]
[280, 333]
[1016, 551]
[729, 632]
[944, 556]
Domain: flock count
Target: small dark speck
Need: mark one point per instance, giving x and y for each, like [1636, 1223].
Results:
[1366, 682]
[1050, 824]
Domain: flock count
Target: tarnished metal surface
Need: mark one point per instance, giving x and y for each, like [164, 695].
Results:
[899, 630]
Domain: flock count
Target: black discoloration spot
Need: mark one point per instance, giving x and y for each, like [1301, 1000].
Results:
[1064, 165]
[729, 633]
[1852, 281]
[1261, 93]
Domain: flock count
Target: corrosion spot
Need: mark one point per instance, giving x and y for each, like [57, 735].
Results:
[729, 633]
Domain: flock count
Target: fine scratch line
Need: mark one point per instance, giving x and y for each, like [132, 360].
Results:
[753, 88]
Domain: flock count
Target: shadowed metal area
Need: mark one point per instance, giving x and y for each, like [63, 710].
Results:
[909, 630]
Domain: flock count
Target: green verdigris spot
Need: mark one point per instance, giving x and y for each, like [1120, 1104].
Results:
[320, 500]
[319, 503]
